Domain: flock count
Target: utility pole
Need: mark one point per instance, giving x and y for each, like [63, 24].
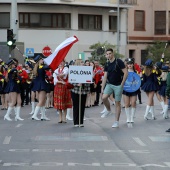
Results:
[13, 22]
[118, 26]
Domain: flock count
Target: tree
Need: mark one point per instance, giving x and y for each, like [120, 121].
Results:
[99, 50]
[156, 50]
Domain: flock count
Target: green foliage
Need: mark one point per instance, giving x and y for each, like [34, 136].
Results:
[156, 50]
[98, 52]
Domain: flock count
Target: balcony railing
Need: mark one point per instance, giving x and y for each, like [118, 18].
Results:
[128, 2]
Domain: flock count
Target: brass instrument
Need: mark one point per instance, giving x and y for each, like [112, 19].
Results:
[31, 77]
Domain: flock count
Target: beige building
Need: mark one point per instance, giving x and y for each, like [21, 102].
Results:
[149, 20]
[40, 23]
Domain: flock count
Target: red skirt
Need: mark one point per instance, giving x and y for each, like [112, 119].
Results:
[62, 97]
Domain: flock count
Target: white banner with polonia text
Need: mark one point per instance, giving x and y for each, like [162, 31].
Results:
[80, 74]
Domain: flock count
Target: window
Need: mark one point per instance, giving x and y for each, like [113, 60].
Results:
[113, 23]
[139, 21]
[5, 17]
[90, 22]
[43, 20]
[160, 22]
[144, 54]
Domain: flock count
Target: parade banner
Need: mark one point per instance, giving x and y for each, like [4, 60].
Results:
[60, 53]
[80, 74]
[132, 83]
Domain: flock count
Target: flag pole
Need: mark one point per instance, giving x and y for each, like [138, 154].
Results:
[79, 105]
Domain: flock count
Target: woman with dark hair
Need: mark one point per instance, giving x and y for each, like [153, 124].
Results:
[40, 87]
[130, 97]
[62, 95]
[13, 90]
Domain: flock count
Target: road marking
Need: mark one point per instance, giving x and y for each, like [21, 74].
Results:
[139, 151]
[79, 150]
[153, 165]
[16, 164]
[108, 151]
[167, 163]
[42, 150]
[19, 150]
[58, 150]
[7, 140]
[137, 140]
[19, 125]
[119, 164]
[74, 164]
[90, 150]
[160, 138]
[55, 164]
[47, 164]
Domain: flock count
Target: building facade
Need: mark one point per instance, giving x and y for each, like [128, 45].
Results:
[148, 21]
[40, 23]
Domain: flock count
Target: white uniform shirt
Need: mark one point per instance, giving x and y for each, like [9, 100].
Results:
[56, 73]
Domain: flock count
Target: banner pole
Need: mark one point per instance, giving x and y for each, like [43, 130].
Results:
[79, 105]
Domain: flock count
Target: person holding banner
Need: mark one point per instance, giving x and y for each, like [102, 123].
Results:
[131, 89]
[62, 95]
[115, 74]
[75, 93]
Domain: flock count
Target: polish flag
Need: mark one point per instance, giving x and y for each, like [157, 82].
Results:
[60, 53]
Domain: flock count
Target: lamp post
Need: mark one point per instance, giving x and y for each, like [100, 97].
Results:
[118, 26]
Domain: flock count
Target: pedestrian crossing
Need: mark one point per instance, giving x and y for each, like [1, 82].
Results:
[76, 151]
[78, 164]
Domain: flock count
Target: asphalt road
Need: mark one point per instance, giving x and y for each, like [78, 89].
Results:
[48, 145]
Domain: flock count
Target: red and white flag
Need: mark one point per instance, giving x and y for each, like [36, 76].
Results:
[60, 53]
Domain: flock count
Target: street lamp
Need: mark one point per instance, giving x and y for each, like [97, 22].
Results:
[118, 24]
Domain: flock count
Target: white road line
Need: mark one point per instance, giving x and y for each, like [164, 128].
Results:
[19, 150]
[119, 164]
[137, 140]
[90, 150]
[108, 151]
[47, 164]
[16, 164]
[74, 164]
[152, 165]
[167, 163]
[139, 151]
[7, 140]
[19, 125]
[42, 150]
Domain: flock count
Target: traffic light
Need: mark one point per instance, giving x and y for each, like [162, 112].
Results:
[10, 38]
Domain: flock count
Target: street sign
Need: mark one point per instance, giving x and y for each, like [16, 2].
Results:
[46, 51]
[29, 52]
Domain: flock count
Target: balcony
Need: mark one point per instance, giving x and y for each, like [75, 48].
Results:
[128, 2]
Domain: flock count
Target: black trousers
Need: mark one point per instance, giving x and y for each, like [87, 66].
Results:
[98, 91]
[24, 93]
[75, 99]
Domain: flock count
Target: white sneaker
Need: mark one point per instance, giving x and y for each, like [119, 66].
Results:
[162, 112]
[104, 110]
[115, 124]
[107, 113]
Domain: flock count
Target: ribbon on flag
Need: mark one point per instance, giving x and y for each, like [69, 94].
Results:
[60, 53]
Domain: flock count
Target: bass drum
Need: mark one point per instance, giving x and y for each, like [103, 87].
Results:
[132, 83]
